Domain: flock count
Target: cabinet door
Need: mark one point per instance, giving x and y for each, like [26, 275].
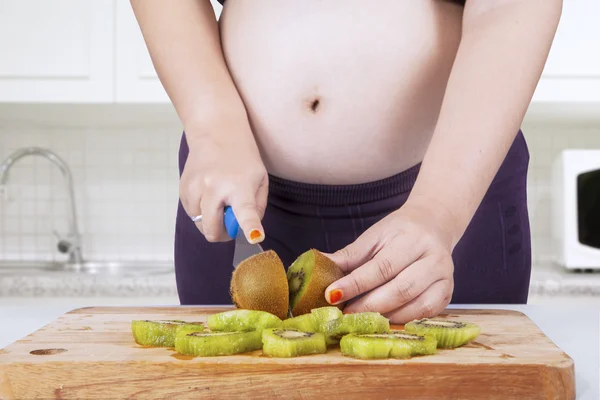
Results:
[136, 79]
[56, 51]
[572, 72]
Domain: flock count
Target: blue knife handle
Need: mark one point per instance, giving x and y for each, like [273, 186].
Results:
[231, 223]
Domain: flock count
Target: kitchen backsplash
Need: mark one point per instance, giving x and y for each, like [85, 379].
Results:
[125, 175]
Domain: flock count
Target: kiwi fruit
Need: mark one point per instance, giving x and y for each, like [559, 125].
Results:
[292, 342]
[210, 344]
[359, 323]
[260, 283]
[242, 320]
[161, 333]
[304, 323]
[449, 334]
[323, 317]
[367, 346]
[420, 345]
[308, 277]
[396, 344]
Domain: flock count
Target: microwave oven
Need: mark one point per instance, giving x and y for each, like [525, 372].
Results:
[576, 209]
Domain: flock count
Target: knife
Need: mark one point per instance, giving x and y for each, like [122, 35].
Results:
[243, 248]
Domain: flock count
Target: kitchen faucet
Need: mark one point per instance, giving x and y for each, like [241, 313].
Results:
[73, 247]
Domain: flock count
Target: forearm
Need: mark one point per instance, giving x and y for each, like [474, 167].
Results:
[497, 67]
[183, 41]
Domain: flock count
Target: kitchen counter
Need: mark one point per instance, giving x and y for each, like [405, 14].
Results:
[574, 329]
[547, 281]
[554, 280]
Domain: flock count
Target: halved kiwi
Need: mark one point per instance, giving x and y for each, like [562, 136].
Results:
[161, 333]
[260, 283]
[308, 277]
[242, 320]
[449, 334]
[292, 343]
[209, 344]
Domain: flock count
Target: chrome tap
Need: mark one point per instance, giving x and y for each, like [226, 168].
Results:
[73, 245]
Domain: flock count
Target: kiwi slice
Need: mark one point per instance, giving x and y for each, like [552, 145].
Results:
[304, 323]
[292, 342]
[308, 277]
[323, 317]
[449, 334]
[259, 283]
[161, 333]
[420, 345]
[396, 344]
[367, 346]
[209, 344]
[360, 323]
[242, 320]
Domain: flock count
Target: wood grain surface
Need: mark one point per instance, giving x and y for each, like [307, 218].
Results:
[90, 353]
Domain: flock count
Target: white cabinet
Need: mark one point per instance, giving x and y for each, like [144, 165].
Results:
[572, 72]
[136, 79]
[56, 51]
[87, 51]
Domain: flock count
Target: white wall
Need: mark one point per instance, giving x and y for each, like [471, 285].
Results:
[124, 160]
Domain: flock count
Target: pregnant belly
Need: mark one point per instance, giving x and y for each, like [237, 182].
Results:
[341, 91]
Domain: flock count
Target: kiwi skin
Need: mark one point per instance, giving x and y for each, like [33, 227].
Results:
[260, 283]
[324, 273]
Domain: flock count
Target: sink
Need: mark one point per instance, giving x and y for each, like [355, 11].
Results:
[127, 268]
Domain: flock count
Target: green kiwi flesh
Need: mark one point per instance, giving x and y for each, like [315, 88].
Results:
[292, 343]
[323, 317]
[304, 323]
[449, 334]
[359, 323]
[396, 344]
[161, 333]
[210, 344]
[242, 320]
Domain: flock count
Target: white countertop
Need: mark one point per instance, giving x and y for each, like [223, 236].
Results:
[547, 280]
[574, 329]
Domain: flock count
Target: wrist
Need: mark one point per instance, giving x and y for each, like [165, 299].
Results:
[229, 128]
[435, 214]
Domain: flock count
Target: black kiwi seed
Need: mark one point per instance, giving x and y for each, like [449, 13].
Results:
[441, 324]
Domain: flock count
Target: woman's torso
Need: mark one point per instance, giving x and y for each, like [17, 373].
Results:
[341, 91]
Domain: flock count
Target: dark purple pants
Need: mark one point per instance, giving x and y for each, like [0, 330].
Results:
[492, 261]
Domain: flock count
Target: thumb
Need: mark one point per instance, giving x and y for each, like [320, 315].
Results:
[248, 216]
[356, 253]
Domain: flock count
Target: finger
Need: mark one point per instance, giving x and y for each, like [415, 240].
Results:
[192, 208]
[248, 214]
[358, 252]
[404, 287]
[212, 219]
[429, 304]
[384, 267]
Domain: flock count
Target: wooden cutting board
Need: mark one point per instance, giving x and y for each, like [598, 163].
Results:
[90, 353]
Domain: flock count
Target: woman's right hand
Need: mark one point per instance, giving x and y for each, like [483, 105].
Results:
[225, 169]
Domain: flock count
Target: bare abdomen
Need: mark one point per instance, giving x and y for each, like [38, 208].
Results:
[341, 91]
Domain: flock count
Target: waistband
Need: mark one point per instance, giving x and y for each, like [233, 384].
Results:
[343, 195]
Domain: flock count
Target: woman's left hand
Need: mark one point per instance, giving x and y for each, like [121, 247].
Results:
[401, 267]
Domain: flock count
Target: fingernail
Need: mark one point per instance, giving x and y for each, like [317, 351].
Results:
[335, 295]
[255, 235]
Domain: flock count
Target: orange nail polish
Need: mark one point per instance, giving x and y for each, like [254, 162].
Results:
[255, 234]
[335, 295]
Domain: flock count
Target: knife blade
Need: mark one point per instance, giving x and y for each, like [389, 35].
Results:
[243, 248]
